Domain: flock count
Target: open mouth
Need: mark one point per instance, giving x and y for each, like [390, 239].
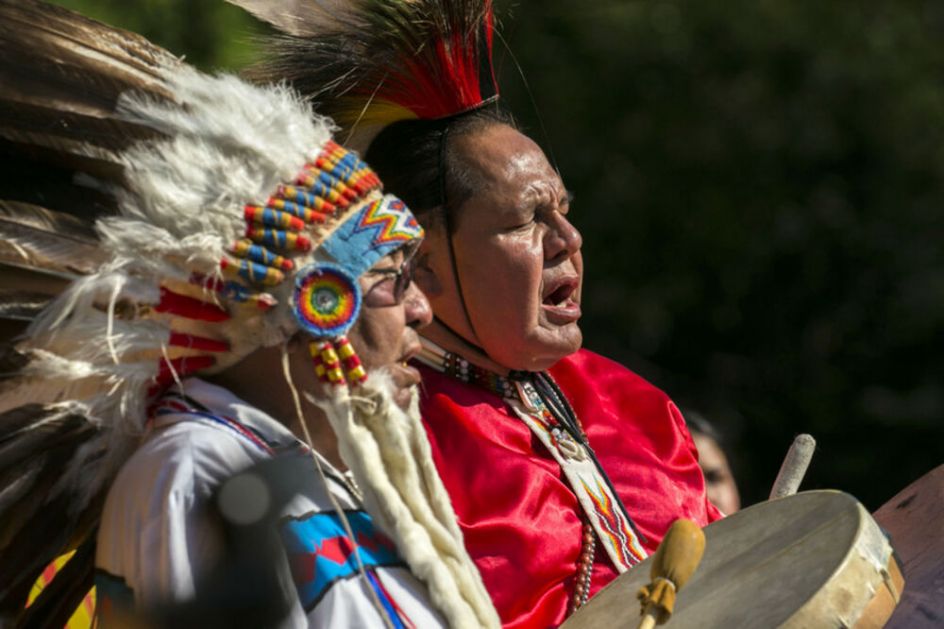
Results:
[411, 353]
[561, 291]
[560, 303]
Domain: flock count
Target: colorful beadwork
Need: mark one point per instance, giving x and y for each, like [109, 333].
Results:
[326, 300]
[614, 525]
[240, 294]
[331, 363]
[328, 358]
[454, 365]
[300, 210]
[335, 179]
[315, 352]
[257, 253]
[354, 370]
[252, 272]
[279, 239]
[378, 229]
[235, 291]
[389, 222]
[273, 218]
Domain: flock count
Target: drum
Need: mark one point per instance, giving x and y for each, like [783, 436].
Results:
[816, 559]
[915, 520]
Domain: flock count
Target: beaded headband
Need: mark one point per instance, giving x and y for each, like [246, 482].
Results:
[335, 199]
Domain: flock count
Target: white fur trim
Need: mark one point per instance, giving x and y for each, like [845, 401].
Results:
[381, 445]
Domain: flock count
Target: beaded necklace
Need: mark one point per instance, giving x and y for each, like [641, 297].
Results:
[459, 368]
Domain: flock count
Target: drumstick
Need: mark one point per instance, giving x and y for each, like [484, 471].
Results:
[794, 467]
[673, 565]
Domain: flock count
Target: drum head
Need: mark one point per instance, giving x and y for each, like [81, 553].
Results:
[810, 560]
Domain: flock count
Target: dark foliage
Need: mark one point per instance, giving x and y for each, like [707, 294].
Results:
[760, 186]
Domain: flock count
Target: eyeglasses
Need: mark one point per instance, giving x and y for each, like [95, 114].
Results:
[391, 289]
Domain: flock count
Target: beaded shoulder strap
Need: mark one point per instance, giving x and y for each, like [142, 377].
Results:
[586, 477]
[543, 407]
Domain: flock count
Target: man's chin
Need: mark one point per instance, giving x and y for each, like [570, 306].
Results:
[544, 350]
[560, 340]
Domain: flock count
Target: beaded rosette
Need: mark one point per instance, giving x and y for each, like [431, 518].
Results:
[338, 197]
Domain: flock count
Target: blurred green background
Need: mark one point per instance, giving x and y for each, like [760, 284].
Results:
[760, 186]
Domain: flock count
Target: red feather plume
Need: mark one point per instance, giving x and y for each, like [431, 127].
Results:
[374, 62]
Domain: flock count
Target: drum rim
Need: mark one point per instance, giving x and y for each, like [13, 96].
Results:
[847, 507]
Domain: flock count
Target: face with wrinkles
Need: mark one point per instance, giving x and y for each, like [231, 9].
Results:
[384, 334]
[515, 291]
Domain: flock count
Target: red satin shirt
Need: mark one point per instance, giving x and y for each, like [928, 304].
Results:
[519, 516]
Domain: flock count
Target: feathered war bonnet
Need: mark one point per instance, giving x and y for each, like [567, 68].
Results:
[228, 220]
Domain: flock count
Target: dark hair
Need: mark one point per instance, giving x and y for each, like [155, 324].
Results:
[697, 424]
[417, 161]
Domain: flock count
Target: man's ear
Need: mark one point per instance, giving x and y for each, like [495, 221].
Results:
[426, 275]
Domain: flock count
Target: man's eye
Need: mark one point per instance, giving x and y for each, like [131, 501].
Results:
[527, 223]
[384, 272]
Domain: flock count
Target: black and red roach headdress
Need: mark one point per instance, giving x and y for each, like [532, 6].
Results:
[371, 63]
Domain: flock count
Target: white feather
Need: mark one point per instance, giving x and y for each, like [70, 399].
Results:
[225, 144]
[231, 145]
[300, 17]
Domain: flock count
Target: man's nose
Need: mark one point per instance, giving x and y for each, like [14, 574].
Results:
[563, 241]
[416, 307]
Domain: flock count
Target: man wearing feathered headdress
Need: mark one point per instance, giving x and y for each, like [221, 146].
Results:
[565, 468]
[235, 355]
